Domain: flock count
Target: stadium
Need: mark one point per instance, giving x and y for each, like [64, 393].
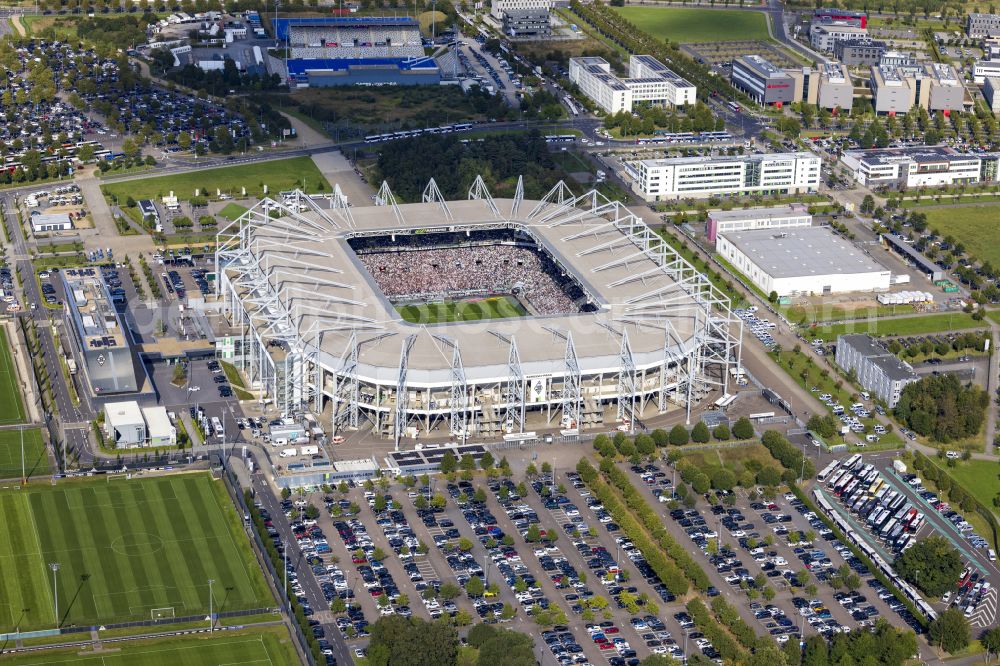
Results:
[336, 51]
[605, 325]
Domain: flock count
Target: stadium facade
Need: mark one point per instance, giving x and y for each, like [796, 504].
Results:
[314, 331]
[339, 51]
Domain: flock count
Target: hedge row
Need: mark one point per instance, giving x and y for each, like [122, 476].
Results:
[723, 642]
[729, 617]
[668, 572]
[790, 456]
[654, 524]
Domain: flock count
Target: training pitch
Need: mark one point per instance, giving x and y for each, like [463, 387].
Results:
[36, 463]
[10, 395]
[128, 549]
[266, 646]
[687, 26]
[497, 307]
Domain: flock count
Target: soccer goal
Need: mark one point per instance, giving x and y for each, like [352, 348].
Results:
[166, 613]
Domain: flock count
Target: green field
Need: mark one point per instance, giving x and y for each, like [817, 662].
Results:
[36, 462]
[498, 307]
[974, 226]
[232, 211]
[10, 392]
[930, 323]
[287, 174]
[125, 547]
[979, 477]
[261, 646]
[686, 26]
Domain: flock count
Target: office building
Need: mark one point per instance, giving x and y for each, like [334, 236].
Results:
[527, 23]
[725, 175]
[919, 166]
[649, 81]
[501, 7]
[982, 25]
[859, 52]
[934, 86]
[879, 372]
[828, 86]
[897, 59]
[778, 217]
[991, 87]
[98, 332]
[985, 69]
[801, 261]
[762, 82]
[824, 36]
[845, 16]
[124, 426]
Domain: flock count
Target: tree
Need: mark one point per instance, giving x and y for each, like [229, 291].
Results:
[645, 445]
[932, 565]
[467, 463]
[678, 435]
[449, 591]
[700, 434]
[286, 493]
[448, 463]
[486, 461]
[721, 432]
[475, 587]
[950, 630]
[743, 429]
[413, 642]
[991, 641]
[940, 407]
[659, 660]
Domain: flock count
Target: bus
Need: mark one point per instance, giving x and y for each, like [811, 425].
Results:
[853, 461]
[217, 428]
[560, 138]
[733, 106]
[827, 471]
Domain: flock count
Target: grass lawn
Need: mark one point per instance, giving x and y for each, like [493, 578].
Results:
[930, 323]
[687, 26]
[266, 646]
[497, 307]
[974, 226]
[235, 381]
[36, 463]
[734, 459]
[126, 547]
[10, 391]
[232, 211]
[979, 477]
[278, 175]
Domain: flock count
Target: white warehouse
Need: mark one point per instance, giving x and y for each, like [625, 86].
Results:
[776, 217]
[801, 261]
[648, 80]
[725, 175]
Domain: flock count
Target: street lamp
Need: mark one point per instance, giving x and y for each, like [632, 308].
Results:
[211, 619]
[54, 566]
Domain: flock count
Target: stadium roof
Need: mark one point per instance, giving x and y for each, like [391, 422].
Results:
[281, 24]
[330, 295]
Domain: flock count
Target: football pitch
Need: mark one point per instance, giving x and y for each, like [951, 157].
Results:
[266, 646]
[497, 307]
[36, 463]
[687, 25]
[10, 394]
[127, 549]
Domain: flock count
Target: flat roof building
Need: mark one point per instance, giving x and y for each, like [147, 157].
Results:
[985, 69]
[917, 259]
[500, 7]
[42, 222]
[825, 15]
[828, 86]
[527, 23]
[762, 82]
[861, 51]
[823, 36]
[801, 261]
[648, 81]
[982, 25]
[900, 88]
[98, 332]
[777, 217]
[124, 424]
[919, 166]
[876, 369]
[991, 86]
[159, 430]
[726, 175]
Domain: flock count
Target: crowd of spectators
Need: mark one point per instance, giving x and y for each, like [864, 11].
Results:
[354, 42]
[477, 269]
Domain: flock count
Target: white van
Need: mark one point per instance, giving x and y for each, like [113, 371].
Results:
[992, 555]
[287, 453]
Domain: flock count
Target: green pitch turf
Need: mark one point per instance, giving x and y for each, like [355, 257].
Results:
[265, 646]
[500, 307]
[12, 410]
[36, 462]
[125, 547]
[687, 25]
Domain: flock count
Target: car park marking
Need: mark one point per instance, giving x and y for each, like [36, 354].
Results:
[986, 610]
